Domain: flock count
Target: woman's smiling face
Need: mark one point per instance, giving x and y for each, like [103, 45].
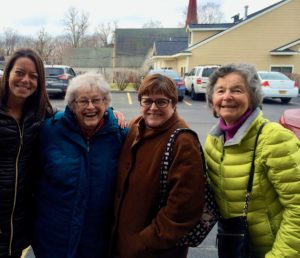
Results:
[89, 108]
[231, 98]
[23, 79]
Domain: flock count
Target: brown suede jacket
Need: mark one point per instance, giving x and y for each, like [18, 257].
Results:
[140, 228]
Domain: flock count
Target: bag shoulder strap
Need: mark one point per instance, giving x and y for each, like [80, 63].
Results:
[251, 176]
[166, 162]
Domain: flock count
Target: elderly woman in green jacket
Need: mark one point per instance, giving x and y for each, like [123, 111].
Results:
[273, 218]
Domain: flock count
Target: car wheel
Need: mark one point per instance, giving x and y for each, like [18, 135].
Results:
[180, 98]
[194, 95]
[285, 100]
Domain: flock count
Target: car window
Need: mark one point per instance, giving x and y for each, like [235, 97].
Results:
[192, 72]
[198, 71]
[71, 71]
[273, 76]
[208, 71]
[52, 71]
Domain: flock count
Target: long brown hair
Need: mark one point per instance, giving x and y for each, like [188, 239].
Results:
[38, 101]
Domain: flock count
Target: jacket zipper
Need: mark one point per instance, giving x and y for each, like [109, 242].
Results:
[222, 177]
[16, 187]
[88, 145]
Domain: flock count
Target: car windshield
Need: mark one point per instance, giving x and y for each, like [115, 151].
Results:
[273, 76]
[51, 71]
[208, 71]
[170, 73]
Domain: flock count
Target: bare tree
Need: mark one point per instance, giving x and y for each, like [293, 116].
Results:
[207, 13]
[44, 45]
[62, 44]
[105, 32]
[76, 26]
[10, 41]
[210, 13]
[152, 24]
[25, 41]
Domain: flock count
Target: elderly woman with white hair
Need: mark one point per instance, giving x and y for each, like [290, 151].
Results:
[79, 152]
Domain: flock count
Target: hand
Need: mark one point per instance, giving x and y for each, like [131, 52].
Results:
[121, 118]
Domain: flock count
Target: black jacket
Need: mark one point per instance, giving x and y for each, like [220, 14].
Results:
[17, 145]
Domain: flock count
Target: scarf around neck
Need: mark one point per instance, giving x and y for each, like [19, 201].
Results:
[230, 130]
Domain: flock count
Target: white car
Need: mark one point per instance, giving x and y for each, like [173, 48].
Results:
[278, 85]
[197, 79]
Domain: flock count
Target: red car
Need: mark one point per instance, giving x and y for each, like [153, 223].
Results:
[290, 119]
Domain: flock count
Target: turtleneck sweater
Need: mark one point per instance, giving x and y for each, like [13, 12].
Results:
[230, 130]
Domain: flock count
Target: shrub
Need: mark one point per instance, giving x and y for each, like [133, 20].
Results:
[121, 79]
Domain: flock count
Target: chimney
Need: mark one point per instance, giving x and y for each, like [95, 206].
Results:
[246, 12]
[191, 17]
[236, 18]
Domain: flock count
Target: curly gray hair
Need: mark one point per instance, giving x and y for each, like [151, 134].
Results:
[92, 80]
[248, 72]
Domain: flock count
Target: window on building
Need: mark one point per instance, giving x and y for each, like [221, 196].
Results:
[282, 69]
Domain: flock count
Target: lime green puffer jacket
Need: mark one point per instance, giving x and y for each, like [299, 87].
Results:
[274, 210]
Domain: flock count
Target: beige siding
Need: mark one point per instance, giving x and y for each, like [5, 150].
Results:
[253, 41]
[179, 65]
[198, 36]
[296, 48]
[162, 63]
[182, 66]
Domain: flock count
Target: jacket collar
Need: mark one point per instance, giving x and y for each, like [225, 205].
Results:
[239, 135]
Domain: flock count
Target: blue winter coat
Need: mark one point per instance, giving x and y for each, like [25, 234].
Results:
[76, 188]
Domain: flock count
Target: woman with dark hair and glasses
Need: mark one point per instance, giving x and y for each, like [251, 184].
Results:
[23, 106]
[141, 228]
[79, 152]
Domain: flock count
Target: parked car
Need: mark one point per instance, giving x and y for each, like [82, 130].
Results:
[197, 79]
[290, 119]
[278, 85]
[57, 78]
[174, 76]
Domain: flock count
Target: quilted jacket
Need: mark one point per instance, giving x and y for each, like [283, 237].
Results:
[274, 211]
[17, 142]
[76, 188]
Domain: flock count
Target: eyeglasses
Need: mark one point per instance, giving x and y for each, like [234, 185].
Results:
[85, 102]
[160, 103]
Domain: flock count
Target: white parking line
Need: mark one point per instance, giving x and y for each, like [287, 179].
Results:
[188, 103]
[129, 98]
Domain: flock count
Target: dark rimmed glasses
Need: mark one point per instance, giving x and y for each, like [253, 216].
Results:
[160, 103]
[85, 102]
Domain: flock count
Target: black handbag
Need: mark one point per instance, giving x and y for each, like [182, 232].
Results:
[209, 215]
[233, 238]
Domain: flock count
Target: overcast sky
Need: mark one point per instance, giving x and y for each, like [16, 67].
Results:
[27, 17]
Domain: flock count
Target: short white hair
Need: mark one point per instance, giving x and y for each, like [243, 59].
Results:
[93, 80]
